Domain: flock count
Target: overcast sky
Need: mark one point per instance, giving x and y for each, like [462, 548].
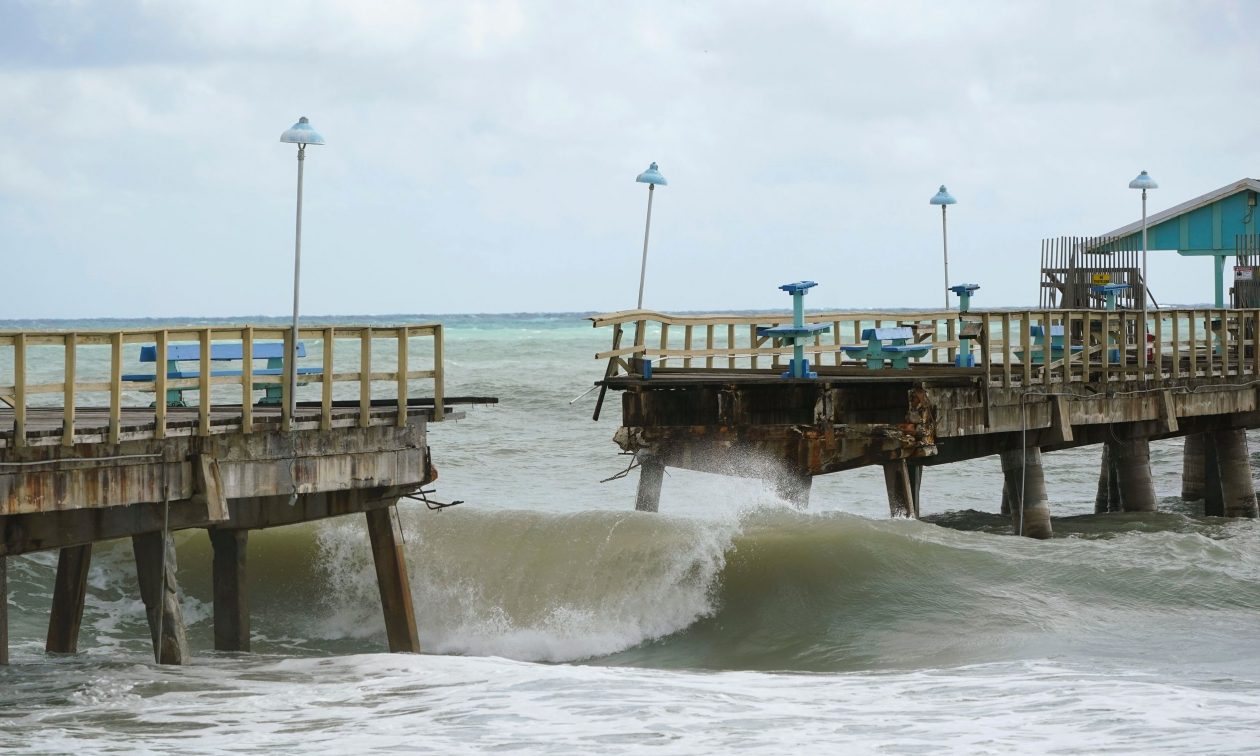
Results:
[481, 156]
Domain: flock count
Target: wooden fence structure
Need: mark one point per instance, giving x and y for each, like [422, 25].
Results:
[346, 358]
[1096, 346]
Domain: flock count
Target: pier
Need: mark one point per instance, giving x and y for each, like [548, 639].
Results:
[719, 394]
[95, 445]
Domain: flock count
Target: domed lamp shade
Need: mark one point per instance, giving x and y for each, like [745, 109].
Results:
[301, 133]
[1143, 181]
[652, 176]
[942, 197]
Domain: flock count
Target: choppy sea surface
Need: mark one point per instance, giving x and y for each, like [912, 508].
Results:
[557, 620]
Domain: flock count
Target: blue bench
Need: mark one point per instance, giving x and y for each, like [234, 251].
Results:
[1037, 352]
[887, 344]
[271, 351]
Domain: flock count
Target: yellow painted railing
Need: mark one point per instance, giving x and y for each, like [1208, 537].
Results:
[84, 371]
[1075, 346]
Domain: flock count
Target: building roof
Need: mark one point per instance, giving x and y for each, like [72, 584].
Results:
[1188, 206]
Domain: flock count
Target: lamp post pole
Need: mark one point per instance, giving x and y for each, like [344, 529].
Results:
[301, 134]
[1143, 182]
[652, 176]
[944, 199]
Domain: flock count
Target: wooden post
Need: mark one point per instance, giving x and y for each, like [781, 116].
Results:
[159, 591]
[365, 377]
[793, 486]
[651, 476]
[902, 493]
[19, 389]
[247, 379]
[67, 433]
[391, 577]
[1237, 491]
[1192, 467]
[1021, 470]
[68, 594]
[115, 387]
[1133, 473]
[231, 599]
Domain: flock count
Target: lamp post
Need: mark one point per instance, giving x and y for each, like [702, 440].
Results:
[1143, 182]
[301, 134]
[944, 199]
[651, 177]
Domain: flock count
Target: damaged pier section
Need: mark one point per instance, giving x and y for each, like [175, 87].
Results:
[75, 474]
[719, 402]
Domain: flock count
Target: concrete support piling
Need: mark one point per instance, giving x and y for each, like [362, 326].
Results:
[155, 568]
[1132, 468]
[903, 499]
[1238, 493]
[1022, 472]
[69, 592]
[231, 600]
[392, 579]
[651, 476]
[1107, 498]
[1193, 467]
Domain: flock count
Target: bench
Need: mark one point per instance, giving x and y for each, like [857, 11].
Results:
[887, 344]
[271, 351]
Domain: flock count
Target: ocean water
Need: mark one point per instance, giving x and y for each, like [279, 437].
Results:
[556, 619]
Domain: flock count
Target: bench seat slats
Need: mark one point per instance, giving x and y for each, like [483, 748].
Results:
[263, 350]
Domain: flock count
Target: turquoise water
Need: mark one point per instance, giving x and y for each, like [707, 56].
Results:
[557, 620]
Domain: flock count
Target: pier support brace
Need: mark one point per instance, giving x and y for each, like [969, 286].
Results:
[231, 599]
[160, 593]
[651, 476]
[1238, 493]
[1132, 468]
[1021, 470]
[69, 592]
[392, 579]
[900, 480]
[1193, 467]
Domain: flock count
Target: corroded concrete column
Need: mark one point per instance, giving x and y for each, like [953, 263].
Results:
[902, 499]
[1238, 493]
[1021, 470]
[651, 476]
[1107, 499]
[69, 592]
[1192, 467]
[231, 598]
[1133, 472]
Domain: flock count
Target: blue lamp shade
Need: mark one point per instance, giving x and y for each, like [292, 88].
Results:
[943, 197]
[301, 133]
[1143, 181]
[652, 176]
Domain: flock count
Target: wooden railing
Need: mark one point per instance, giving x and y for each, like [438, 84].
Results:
[84, 370]
[1095, 346]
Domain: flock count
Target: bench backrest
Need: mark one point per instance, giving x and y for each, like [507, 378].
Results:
[263, 350]
[1038, 331]
[885, 334]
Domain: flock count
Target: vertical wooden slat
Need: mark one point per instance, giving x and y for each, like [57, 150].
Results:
[439, 372]
[986, 348]
[1025, 345]
[1176, 344]
[1158, 366]
[951, 335]
[1124, 344]
[286, 391]
[162, 346]
[687, 346]
[1193, 333]
[752, 340]
[365, 373]
[203, 385]
[115, 387]
[1047, 328]
[664, 343]
[708, 344]
[67, 428]
[1006, 350]
[835, 342]
[402, 376]
[326, 387]
[247, 379]
[730, 345]
[19, 390]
